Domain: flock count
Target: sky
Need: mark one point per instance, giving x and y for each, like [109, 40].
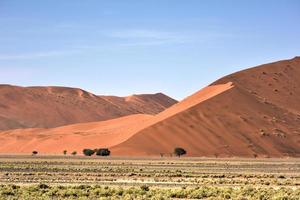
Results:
[129, 47]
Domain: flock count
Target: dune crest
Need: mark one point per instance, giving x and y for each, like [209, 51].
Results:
[47, 107]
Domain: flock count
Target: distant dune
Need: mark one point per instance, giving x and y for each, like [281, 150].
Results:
[254, 112]
[46, 107]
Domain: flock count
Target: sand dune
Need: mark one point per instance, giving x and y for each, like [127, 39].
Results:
[255, 112]
[45, 107]
[259, 115]
[95, 134]
[72, 137]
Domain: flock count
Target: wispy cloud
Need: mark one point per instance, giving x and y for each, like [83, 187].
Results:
[127, 38]
[35, 55]
[148, 37]
[140, 37]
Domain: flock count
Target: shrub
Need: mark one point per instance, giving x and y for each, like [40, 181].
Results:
[179, 151]
[102, 152]
[43, 186]
[65, 152]
[74, 153]
[88, 152]
[281, 177]
[34, 153]
[145, 188]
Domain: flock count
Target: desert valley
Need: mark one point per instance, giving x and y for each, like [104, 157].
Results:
[149, 100]
[241, 136]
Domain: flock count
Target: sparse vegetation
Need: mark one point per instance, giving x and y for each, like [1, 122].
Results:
[51, 177]
[110, 192]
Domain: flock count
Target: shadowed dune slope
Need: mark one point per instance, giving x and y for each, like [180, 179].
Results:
[45, 107]
[259, 115]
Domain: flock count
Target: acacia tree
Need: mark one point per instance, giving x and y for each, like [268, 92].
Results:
[178, 151]
[88, 152]
[102, 152]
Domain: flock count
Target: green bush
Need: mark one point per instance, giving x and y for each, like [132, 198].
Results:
[102, 152]
[88, 152]
[179, 151]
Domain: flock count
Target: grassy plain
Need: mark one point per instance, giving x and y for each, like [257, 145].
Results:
[77, 177]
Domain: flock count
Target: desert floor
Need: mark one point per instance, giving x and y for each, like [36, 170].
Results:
[73, 177]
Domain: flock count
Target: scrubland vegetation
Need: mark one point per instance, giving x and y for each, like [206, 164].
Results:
[43, 191]
[80, 177]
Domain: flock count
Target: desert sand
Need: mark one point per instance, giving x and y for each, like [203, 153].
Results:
[72, 137]
[47, 107]
[258, 115]
[95, 134]
[254, 112]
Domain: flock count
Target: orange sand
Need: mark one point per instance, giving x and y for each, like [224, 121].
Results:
[46, 107]
[72, 137]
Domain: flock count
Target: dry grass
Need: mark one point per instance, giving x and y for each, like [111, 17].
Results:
[148, 178]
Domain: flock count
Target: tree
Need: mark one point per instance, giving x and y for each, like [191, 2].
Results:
[179, 151]
[65, 152]
[88, 152]
[74, 153]
[102, 152]
[34, 153]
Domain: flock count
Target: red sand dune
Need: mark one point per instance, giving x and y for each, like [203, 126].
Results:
[255, 112]
[45, 107]
[259, 115]
[96, 134]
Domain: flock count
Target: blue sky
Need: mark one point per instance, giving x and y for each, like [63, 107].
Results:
[141, 46]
